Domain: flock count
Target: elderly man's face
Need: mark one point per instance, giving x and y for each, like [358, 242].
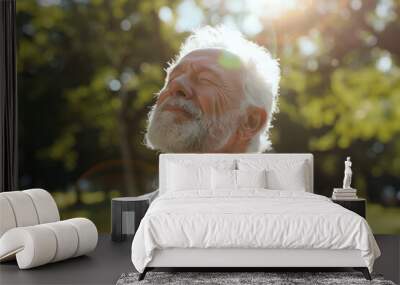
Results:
[198, 110]
[202, 78]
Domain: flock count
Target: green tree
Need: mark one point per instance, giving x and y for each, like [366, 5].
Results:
[93, 67]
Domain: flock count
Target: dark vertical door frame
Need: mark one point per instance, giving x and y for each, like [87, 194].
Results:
[8, 97]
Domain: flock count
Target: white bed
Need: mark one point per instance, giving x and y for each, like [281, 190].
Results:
[248, 227]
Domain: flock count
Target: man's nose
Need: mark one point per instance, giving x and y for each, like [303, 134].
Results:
[181, 87]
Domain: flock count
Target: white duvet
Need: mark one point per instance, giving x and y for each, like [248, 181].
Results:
[253, 218]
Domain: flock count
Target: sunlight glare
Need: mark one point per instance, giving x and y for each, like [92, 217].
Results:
[271, 8]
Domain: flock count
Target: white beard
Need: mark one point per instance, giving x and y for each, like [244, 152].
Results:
[196, 135]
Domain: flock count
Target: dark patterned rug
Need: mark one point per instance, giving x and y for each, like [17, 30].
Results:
[231, 278]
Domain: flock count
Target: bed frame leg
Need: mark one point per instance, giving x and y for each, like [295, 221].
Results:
[143, 274]
[364, 271]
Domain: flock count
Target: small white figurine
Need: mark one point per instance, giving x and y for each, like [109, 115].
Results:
[347, 174]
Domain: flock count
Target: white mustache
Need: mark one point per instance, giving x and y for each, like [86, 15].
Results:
[186, 105]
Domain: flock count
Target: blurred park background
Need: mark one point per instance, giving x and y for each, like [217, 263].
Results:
[88, 71]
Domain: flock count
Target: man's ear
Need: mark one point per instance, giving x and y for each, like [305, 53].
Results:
[254, 120]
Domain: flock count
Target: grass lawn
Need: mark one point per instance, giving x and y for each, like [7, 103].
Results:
[383, 220]
[100, 214]
[95, 206]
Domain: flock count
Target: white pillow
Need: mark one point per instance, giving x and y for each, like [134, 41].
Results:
[223, 179]
[251, 178]
[181, 177]
[293, 179]
[236, 179]
[284, 174]
[193, 174]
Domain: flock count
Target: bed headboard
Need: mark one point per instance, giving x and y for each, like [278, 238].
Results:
[165, 158]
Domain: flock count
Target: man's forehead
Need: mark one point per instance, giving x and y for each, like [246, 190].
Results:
[213, 56]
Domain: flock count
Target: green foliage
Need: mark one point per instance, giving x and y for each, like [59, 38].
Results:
[338, 99]
[383, 220]
[97, 65]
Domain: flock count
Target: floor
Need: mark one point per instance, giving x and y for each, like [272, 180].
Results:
[102, 266]
[110, 260]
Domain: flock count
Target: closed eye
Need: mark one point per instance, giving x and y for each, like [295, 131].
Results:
[206, 80]
[203, 78]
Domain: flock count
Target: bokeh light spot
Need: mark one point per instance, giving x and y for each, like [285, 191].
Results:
[165, 14]
[114, 85]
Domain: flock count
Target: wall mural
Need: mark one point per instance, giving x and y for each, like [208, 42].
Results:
[104, 87]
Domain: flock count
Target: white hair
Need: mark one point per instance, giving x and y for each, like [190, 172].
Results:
[261, 72]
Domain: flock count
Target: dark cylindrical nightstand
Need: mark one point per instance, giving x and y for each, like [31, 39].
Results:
[126, 214]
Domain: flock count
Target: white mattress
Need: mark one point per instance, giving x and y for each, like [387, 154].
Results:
[256, 218]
